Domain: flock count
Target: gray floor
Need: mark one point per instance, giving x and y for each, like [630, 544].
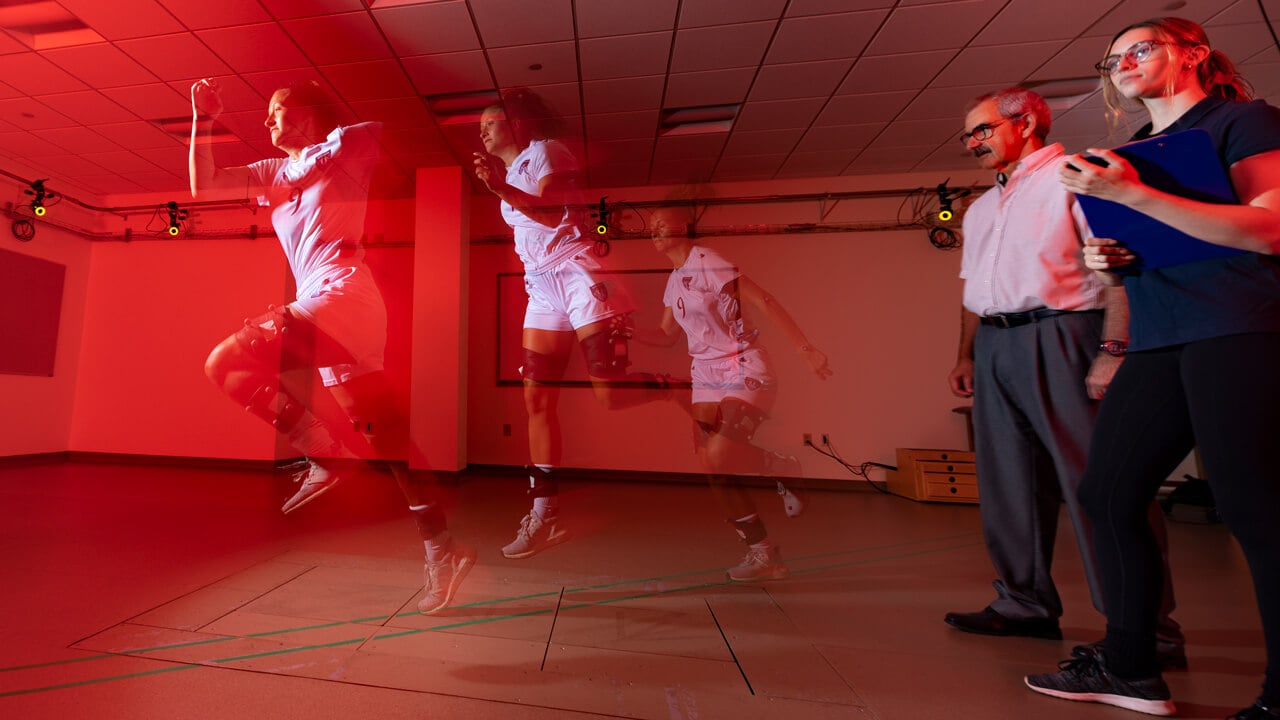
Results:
[161, 592]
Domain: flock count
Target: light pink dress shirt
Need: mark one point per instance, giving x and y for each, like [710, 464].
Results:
[1022, 244]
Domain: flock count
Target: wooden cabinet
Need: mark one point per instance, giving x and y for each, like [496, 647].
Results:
[934, 476]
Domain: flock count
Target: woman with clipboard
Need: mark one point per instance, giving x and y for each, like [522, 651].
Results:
[1201, 369]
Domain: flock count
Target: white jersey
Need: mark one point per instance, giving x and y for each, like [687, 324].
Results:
[540, 159]
[704, 302]
[318, 209]
[318, 203]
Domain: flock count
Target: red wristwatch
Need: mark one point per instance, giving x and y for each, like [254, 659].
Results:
[1114, 348]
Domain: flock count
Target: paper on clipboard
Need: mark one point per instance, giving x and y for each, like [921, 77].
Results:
[1183, 163]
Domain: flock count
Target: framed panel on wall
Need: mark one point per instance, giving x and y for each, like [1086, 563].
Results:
[30, 308]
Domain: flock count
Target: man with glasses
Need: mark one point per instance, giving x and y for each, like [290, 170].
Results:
[1040, 340]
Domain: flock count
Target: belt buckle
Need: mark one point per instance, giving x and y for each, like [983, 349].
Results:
[1001, 320]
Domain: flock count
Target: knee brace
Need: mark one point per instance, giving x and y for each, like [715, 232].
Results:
[283, 413]
[542, 482]
[607, 352]
[259, 333]
[739, 421]
[751, 529]
[543, 368]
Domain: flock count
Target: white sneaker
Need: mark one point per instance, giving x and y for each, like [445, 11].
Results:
[318, 476]
[444, 576]
[536, 534]
[760, 565]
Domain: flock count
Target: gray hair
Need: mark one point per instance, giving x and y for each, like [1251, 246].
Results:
[1015, 101]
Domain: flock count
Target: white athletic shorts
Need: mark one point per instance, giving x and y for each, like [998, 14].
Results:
[574, 293]
[746, 376]
[350, 310]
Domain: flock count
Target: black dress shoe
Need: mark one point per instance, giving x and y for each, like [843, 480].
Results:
[990, 622]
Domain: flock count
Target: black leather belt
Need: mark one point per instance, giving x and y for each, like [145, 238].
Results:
[1012, 320]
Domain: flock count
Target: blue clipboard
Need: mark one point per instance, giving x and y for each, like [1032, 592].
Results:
[1183, 163]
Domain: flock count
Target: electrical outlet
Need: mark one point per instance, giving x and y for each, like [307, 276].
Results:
[807, 438]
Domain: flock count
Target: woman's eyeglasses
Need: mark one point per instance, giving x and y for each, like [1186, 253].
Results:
[1137, 53]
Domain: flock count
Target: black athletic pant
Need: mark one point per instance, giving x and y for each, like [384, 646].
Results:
[1222, 395]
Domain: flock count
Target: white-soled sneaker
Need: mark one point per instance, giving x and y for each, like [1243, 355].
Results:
[1085, 678]
[760, 565]
[535, 535]
[318, 476]
[444, 576]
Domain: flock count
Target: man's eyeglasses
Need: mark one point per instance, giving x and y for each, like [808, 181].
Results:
[983, 131]
[1137, 53]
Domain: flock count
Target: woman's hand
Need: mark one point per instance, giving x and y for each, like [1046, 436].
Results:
[1117, 182]
[205, 98]
[490, 170]
[1104, 255]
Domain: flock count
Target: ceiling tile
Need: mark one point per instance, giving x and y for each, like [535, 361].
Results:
[798, 80]
[72, 166]
[1242, 41]
[449, 72]
[945, 103]
[333, 39]
[676, 172]
[152, 101]
[907, 71]
[1023, 21]
[715, 48]
[637, 151]
[998, 63]
[562, 99]
[30, 114]
[624, 55]
[839, 137]
[236, 94]
[917, 132]
[871, 108]
[110, 184]
[202, 14]
[710, 87]
[622, 17]
[933, 27]
[1132, 11]
[824, 37]
[368, 80]
[672, 148]
[121, 19]
[254, 48]
[136, 135]
[430, 29]
[78, 140]
[175, 57]
[87, 107]
[815, 164]
[885, 159]
[266, 83]
[308, 8]
[174, 159]
[762, 142]
[617, 175]
[622, 126]
[799, 8]
[160, 181]
[405, 112]
[1074, 61]
[748, 167]
[17, 143]
[699, 13]
[120, 161]
[556, 63]
[31, 74]
[622, 95]
[100, 65]
[523, 22]
[9, 45]
[778, 114]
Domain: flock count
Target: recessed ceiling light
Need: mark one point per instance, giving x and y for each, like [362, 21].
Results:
[42, 24]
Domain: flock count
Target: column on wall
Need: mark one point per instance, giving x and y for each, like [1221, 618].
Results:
[438, 410]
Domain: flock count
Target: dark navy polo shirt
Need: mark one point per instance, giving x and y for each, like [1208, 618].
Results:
[1224, 296]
